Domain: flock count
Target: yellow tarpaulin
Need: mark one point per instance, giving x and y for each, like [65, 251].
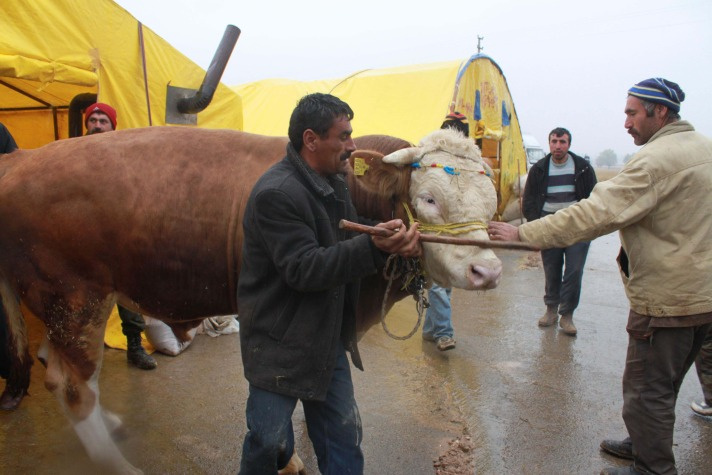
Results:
[53, 50]
[268, 104]
[409, 102]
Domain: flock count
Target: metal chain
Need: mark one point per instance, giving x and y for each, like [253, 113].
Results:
[410, 272]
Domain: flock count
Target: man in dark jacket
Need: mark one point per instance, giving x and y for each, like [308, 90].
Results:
[553, 183]
[7, 401]
[297, 294]
[7, 142]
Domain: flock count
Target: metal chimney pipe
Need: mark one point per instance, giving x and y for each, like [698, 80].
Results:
[202, 98]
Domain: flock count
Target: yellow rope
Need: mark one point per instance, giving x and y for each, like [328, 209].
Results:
[447, 228]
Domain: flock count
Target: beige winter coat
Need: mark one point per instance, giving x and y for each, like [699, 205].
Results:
[661, 201]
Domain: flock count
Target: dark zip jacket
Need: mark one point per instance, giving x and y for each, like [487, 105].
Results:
[300, 279]
[534, 195]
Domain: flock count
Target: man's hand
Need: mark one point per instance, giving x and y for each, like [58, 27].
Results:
[502, 231]
[404, 241]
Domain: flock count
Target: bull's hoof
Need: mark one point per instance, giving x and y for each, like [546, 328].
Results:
[9, 402]
[294, 467]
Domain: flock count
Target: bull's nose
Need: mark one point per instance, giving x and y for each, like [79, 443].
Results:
[485, 278]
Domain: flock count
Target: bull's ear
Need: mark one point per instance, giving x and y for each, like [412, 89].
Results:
[371, 175]
[361, 160]
[404, 156]
[488, 170]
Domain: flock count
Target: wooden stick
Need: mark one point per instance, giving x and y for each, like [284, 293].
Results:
[484, 243]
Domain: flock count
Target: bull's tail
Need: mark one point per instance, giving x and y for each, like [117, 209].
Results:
[15, 358]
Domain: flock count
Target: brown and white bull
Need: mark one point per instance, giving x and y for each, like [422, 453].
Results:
[151, 218]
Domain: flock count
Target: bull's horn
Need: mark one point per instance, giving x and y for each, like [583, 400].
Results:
[404, 156]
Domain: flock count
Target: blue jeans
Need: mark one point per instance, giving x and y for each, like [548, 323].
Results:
[334, 427]
[564, 291]
[438, 317]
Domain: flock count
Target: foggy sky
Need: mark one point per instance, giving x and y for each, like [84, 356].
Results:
[567, 63]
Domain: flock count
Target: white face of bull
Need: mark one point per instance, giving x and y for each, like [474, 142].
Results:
[463, 193]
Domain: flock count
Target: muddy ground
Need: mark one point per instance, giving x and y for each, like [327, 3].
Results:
[511, 398]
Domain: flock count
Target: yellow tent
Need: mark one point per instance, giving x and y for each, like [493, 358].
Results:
[53, 50]
[409, 102]
[268, 103]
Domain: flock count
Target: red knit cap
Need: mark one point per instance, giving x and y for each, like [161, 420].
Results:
[456, 116]
[101, 107]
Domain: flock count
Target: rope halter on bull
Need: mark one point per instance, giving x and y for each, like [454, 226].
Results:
[410, 270]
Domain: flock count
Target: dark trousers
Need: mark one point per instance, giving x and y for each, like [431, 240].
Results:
[563, 272]
[4, 344]
[703, 365]
[334, 427]
[132, 323]
[654, 370]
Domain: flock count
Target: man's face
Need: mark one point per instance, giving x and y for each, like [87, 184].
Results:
[98, 122]
[332, 151]
[637, 122]
[559, 147]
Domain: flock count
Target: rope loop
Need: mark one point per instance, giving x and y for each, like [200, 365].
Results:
[412, 277]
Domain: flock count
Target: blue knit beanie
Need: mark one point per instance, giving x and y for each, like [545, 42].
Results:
[660, 91]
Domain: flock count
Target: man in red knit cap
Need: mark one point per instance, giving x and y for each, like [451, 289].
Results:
[99, 118]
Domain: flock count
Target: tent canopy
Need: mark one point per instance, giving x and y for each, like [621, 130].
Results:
[53, 50]
[409, 102]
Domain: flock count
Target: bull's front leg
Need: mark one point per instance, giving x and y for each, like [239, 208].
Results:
[96, 438]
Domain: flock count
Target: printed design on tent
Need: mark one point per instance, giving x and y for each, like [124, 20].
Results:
[478, 109]
[489, 94]
[479, 123]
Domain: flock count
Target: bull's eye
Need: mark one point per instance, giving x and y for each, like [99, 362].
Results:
[431, 201]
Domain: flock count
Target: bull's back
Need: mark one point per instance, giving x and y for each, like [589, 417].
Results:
[154, 214]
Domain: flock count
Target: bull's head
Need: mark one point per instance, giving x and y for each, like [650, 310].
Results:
[451, 192]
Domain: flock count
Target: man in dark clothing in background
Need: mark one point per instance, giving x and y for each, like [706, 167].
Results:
[556, 181]
[7, 143]
[100, 118]
[7, 401]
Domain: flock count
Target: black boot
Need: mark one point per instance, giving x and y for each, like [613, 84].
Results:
[136, 355]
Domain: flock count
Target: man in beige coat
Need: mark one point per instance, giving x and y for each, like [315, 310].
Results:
[660, 203]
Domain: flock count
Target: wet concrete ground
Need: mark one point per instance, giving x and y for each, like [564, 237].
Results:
[531, 400]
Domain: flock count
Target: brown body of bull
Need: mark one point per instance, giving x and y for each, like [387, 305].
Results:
[151, 219]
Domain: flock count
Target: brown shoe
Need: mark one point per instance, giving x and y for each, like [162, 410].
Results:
[550, 317]
[294, 467]
[567, 324]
